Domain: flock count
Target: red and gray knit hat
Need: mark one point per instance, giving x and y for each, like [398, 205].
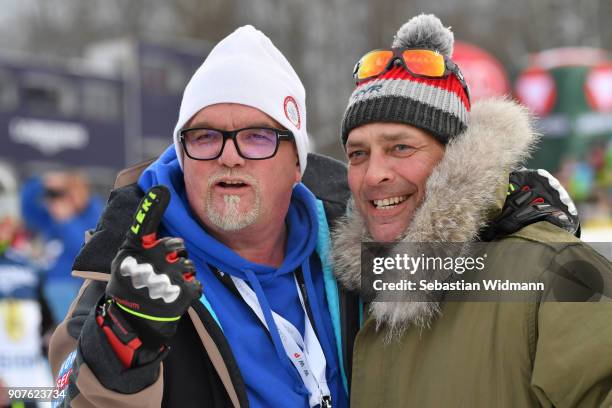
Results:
[439, 106]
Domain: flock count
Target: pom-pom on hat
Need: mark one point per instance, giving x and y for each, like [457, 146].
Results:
[439, 106]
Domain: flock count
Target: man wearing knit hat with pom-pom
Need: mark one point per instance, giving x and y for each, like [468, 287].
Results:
[426, 166]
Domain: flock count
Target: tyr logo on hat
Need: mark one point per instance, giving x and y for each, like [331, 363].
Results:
[292, 111]
[370, 89]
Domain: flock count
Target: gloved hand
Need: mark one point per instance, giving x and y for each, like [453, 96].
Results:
[534, 195]
[152, 285]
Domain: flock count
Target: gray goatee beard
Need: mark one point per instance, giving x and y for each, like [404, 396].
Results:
[231, 218]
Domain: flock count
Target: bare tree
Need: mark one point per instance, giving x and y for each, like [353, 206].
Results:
[209, 19]
[321, 38]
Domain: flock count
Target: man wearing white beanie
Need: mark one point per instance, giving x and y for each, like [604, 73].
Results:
[241, 309]
[246, 68]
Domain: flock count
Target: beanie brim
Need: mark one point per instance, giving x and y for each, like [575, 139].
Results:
[437, 106]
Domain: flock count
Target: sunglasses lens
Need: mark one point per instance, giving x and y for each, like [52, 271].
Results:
[373, 63]
[424, 62]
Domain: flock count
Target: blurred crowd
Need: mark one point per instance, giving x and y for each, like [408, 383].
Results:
[42, 226]
[589, 182]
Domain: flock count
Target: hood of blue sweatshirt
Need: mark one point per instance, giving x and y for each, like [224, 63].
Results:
[274, 380]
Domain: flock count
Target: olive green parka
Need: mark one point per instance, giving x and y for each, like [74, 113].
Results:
[475, 354]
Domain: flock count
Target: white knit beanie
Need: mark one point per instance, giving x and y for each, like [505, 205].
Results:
[246, 68]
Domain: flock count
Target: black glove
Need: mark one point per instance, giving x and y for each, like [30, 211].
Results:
[534, 195]
[152, 284]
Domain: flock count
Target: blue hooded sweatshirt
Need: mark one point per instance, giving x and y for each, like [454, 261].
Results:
[270, 378]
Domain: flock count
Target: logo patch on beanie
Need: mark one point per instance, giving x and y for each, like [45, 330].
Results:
[292, 111]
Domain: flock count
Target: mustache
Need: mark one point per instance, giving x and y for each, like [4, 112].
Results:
[229, 173]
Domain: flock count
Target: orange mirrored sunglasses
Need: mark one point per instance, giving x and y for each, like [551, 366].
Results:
[419, 62]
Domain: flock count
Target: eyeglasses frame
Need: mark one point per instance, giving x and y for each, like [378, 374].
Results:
[281, 134]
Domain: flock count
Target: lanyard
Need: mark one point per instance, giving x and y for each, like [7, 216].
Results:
[305, 353]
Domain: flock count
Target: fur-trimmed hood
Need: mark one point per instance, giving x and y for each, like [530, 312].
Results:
[462, 193]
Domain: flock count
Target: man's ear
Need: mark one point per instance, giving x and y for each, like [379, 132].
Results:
[298, 172]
